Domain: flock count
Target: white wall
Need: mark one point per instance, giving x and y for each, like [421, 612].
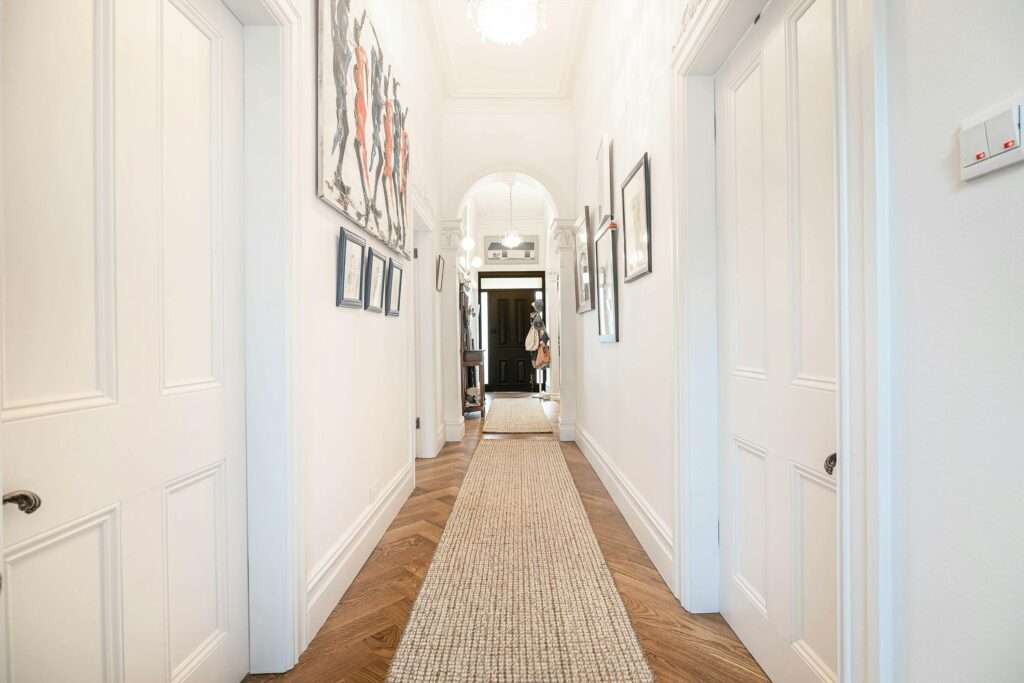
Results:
[958, 319]
[356, 377]
[626, 394]
[485, 136]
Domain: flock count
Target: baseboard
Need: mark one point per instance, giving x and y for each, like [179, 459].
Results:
[335, 572]
[454, 431]
[653, 534]
[439, 442]
[566, 431]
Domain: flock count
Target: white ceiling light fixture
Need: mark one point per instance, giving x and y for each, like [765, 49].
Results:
[512, 238]
[467, 243]
[506, 22]
[477, 262]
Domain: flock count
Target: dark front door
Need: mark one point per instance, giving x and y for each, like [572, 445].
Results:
[510, 367]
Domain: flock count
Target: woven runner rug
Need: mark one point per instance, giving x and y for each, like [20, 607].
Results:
[516, 416]
[518, 589]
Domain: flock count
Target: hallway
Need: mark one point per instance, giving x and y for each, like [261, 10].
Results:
[360, 637]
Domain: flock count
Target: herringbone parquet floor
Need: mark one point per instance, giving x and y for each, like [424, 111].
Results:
[361, 635]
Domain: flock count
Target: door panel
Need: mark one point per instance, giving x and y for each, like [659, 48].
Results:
[777, 343]
[123, 364]
[511, 368]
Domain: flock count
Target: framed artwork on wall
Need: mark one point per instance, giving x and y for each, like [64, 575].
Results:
[393, 300]
[351, 269]
[362, 131]
[497, 254]
[606, 281]
[373, 292]
[584, 263]
[439, 273]
[604, 201]
[636, 221]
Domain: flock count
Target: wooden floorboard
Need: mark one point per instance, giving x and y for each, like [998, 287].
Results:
[359, 639]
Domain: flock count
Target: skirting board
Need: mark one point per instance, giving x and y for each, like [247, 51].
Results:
[454, 431]
[335, 572]
[653, 534]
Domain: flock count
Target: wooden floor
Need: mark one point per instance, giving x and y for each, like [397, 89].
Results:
[360, 637]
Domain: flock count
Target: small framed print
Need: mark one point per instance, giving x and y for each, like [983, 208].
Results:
[351, 270]
[439, 273]
[636, 221]
[393, 300]
[584, 263]
[606, 282]
[373, 289]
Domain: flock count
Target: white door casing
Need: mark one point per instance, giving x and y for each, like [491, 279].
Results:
[777, 340]
[123, 361]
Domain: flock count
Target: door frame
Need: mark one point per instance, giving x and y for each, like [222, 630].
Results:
[275, 54]
[711, 30]
[542, 274]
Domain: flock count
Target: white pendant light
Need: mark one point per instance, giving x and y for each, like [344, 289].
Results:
[506, 22]
[512, 238]
[467, 243]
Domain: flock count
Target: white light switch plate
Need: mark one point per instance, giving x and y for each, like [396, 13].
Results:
[1001, 120]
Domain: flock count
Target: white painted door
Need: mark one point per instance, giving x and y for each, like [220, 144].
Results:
[122, 366]
[777, 279]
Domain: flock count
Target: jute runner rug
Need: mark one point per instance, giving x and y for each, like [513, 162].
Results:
[516, 416]
[518, 589]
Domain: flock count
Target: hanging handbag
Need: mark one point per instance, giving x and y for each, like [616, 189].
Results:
[543, 358]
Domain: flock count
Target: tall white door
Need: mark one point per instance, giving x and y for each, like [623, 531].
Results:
[122, 365]
[777, 279]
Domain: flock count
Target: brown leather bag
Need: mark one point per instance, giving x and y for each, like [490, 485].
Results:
[543, 358]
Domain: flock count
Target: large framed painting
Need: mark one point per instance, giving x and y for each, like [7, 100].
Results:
[636, 221]
[351, 269]
[606, 281]
[373, 289]
[497, 254]
[584, 263]
[362, 125]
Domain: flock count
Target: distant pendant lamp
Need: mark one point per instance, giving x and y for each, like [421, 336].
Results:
[511, 240]
[506, 22]
[468, 243]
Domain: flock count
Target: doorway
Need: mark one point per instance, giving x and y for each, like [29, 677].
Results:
[506, 304]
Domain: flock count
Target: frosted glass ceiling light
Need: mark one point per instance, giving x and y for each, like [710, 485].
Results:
[506, 22]
[467, 243]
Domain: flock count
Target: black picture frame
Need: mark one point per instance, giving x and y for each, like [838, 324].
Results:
[583, 237]
[348, 243]
[630, 213]
[375, 279]
[606, 281]
[439, 273]
[392, 303]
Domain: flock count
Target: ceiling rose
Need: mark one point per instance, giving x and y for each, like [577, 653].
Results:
[506, 22]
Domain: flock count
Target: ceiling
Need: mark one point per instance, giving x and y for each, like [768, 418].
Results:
[543, 66]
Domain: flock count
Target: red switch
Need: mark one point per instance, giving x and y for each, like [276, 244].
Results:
[979, 156]
[1009, 144]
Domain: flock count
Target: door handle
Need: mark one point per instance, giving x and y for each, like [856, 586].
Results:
[830, 464]
[27, 501]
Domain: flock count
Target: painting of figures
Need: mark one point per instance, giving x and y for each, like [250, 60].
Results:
[362, 138]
